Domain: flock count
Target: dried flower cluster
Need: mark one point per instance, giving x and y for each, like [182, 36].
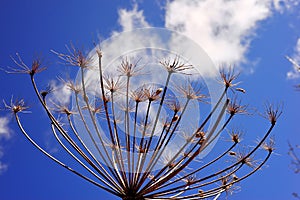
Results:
[126, 148]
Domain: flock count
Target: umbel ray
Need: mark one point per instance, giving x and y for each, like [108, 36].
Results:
[125, 137]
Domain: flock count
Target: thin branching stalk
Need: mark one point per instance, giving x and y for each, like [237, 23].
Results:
[214, 191]
[59, 162]
[62, 131]
[108, 176]
[159, 109]
[134, 143]
[121, 166]
[159, 182]
[79, 161]
[118, 146]
[91, 136]
[191, 187]
[200, 168]
[86, 100]
[127, 133]
[242, 161]
[158, 151]
[142, 146]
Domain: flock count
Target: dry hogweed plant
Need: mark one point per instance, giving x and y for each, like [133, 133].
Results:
[120, 127]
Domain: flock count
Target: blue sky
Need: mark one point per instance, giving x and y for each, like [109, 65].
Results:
[256, 42]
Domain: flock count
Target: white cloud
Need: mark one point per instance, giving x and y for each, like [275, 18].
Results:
[283, 5]
[132, 19]
[295, 60]
[5, 132]
[3, 167]
[4, 129]
[223, 28]
[60, 93]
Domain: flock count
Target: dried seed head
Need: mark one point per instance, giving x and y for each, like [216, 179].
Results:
[235, 107]
[158, 91]
[190, 180]
[272, 113]
[201, 141]
[94, 108]
[270, 145]
[166, 124]
[47, 91]
[71, 85]
[126, 107]
[235, 135]
[17, 106]
[67, 111]
[36, 67]
[129, 69]
[141, 149]
[151, 93]
[62, 109]
[112, 84]
[201, 193]
[173, 105]
[175, 118]
[74, 57]
[200, 134]
[228, 76]
[138, 95]
[226, 183]
[22, 68]
[240, 90]
[176, 66]
[234, 177]
[241, 156]
[98, 51]
[191, 90]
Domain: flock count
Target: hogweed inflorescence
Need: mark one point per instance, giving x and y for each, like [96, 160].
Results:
[121, 126]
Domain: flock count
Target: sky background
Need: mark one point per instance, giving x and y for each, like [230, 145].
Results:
[255, 36]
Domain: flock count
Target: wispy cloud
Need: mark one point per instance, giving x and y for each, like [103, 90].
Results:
[295, 60]
[3, 166]
[5, 132]
[60, 93]
[283, 5]
[131, 19]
